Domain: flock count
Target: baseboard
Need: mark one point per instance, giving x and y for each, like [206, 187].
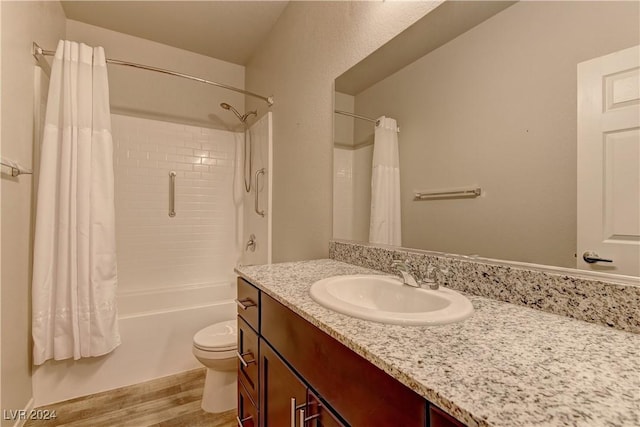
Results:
[20, 421]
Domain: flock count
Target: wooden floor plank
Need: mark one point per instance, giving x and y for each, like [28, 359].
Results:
[165, 402]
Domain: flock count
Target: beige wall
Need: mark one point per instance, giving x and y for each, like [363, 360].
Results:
[496, 107]
[311, 44]
[156, 96]
[22, 24]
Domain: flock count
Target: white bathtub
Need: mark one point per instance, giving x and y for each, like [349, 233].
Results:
[156, 327]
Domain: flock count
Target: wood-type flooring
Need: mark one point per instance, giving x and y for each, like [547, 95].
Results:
[172, 401]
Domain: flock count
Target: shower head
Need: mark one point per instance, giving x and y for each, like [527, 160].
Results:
[229, 107]
[242, 118]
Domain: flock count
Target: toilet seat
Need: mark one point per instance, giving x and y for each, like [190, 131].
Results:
[218, 337]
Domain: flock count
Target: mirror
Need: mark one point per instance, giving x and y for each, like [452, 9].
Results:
[485, 95]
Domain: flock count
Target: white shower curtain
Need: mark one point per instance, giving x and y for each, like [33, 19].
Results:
[74, 267]
[385, 222]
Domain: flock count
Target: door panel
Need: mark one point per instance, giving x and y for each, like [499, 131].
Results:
[609, 162]
[278, 386]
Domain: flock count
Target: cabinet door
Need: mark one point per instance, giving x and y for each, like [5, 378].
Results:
[282, 394]
[318, 414]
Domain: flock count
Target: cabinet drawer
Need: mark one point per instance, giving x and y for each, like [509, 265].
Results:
[360, 392]
[248, 358]
[248, 302]
[247, 411]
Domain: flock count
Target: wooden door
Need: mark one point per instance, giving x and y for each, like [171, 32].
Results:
[609, 162]
[282, 394]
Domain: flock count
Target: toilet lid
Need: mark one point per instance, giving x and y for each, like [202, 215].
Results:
[221, 336]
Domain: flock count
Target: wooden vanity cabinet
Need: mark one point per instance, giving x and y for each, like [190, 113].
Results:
[339, 375]
[307, 378]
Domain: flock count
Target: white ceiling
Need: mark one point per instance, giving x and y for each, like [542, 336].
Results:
[226, 30]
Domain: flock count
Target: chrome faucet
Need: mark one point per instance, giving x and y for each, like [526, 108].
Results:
[403, 269]
[434, 276]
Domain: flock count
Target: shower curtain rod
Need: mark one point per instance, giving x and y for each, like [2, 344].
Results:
[357, 116]
[37, 50]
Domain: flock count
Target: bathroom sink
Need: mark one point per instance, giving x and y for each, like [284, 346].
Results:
[386, 299]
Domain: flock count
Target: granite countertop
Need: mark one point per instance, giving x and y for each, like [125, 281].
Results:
[507, 365]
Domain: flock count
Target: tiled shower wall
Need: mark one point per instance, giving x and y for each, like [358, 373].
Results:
[352, 192]
[196, 247]
[343, 194]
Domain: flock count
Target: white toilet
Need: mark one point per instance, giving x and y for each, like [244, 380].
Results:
[215, 347]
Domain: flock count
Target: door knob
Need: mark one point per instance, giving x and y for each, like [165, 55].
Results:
[592, 257]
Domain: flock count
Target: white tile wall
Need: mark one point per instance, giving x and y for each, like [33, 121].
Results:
[352, 193]
[342, 193]
[197, 245]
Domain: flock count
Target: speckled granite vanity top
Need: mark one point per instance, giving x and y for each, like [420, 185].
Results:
[505, 366]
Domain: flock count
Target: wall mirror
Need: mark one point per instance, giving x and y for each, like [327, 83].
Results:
[510, 98]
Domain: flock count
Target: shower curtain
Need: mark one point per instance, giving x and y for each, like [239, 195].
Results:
[385, 222]
[74, 266]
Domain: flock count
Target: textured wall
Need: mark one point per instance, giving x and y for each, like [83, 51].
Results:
[22, 24]
[311, 44]
[146, 94]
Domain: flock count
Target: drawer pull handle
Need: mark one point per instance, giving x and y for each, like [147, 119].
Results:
[245, 303]
[294, 408]
[241, 421]
[303, 419]
[245, 363]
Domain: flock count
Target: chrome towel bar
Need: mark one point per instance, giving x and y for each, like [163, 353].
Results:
[257, 188]
[447, 194]
[172, 194]
[16, 169]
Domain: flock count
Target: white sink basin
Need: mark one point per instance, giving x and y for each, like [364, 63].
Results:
[387, 300]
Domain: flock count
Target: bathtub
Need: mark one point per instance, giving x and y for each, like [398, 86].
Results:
[156, 328]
